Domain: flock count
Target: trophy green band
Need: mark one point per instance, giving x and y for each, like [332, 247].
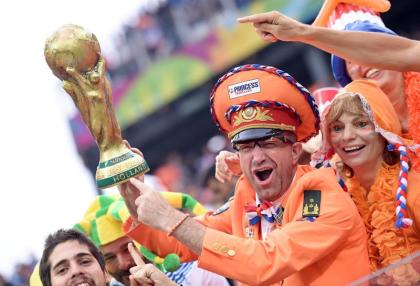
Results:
[116, 175]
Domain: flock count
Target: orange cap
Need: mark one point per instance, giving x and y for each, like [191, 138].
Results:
[254, 101]
[329, 7]
[381, 107]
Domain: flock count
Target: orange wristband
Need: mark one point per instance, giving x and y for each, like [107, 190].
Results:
[171, 231]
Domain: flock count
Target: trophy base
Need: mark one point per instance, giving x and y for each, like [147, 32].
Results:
[120, 169]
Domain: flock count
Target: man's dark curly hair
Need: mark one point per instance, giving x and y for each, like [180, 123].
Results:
[61, 236]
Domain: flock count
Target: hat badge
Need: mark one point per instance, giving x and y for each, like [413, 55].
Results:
[251, 113]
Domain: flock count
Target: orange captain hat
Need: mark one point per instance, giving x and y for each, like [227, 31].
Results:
[255, 101]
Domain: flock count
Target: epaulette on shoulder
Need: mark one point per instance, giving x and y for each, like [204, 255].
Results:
[223, 208]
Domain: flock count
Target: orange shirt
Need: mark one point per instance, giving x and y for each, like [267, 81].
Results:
[332, 250]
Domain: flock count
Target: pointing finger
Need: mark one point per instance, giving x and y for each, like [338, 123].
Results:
[138, 185]
[135, 255]
[261, 17]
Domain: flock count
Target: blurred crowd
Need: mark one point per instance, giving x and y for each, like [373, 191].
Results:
[20, 275]
[165, 29]
[192, 174]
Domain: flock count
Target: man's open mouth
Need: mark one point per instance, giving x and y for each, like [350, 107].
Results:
[263, 175]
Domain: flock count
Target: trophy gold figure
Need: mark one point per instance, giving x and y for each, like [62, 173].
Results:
[74, 56]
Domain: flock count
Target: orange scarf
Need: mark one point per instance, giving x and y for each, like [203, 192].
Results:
[386, 243]
[412, 92]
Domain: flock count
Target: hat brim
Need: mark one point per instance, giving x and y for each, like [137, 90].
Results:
[338, 64]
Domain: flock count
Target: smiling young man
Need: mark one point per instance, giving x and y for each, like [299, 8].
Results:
[71, 259]
[286, 224]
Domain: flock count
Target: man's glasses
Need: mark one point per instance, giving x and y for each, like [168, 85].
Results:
[265, 144]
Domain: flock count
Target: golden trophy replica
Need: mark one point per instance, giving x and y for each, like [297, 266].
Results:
[74, 56]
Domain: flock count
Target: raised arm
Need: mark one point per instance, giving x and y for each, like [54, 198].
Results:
[395, 52]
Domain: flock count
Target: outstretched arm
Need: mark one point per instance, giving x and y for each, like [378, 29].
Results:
[395, 53]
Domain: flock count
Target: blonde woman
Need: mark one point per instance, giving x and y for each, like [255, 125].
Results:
[362, 128]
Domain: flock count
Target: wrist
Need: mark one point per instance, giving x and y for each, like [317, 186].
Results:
[178, 220]
[306, 34]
